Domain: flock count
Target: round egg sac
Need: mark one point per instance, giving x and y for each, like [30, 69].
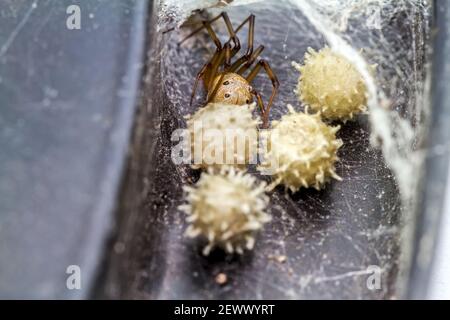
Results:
[331, 85]
[301, 151]
[227, 209]
[223, 135]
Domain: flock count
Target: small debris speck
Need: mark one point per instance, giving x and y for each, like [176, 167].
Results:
[119, 247]
[278, 258]
[221, 279]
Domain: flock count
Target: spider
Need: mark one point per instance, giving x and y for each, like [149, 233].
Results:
[225, 81]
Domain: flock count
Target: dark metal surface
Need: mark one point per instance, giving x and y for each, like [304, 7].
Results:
[67, 102]
[329, 238]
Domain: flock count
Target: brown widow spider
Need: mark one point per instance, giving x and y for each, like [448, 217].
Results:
[225, 81]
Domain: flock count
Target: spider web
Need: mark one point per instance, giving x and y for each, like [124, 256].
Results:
[392, 34]
[398, 107]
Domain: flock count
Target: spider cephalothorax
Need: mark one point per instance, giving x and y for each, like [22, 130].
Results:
[223, 79]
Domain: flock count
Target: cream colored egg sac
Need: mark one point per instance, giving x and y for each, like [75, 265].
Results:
[331, 85]
[303, 149]
[226, 208]
[223, 135]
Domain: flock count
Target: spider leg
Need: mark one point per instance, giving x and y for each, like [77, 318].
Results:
[261, 107]
[275, 84]
[233, 36]
[200, 75]
[207, 25]
[205, 74]
[224, 58]
[228, 54]
[251, 31]
[209, 71]
[247, 61]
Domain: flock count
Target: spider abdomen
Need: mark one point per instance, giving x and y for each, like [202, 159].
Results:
[233, 89]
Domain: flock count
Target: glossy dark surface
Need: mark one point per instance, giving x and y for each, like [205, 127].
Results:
[67, 102]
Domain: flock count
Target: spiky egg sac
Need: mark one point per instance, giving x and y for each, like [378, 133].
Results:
[223, 135]
[301, 150]
[227, 209]
[331, 85]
